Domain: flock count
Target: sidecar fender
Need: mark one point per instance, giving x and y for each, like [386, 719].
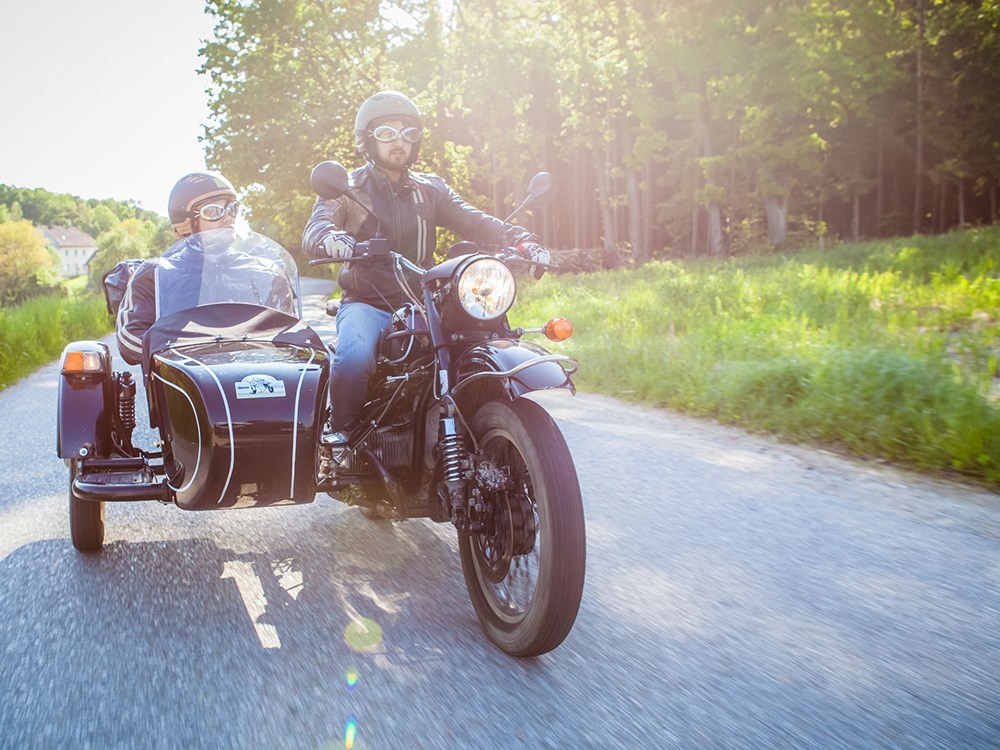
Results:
[519, 367]
[83, 426]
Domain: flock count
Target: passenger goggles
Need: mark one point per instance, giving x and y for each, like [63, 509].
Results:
[387, 134]
[215, 211]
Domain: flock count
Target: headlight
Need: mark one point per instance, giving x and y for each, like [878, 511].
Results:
[486, 289]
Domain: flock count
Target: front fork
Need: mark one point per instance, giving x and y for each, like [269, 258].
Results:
[464, 503]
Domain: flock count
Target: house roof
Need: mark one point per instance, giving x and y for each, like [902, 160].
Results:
[60, 237]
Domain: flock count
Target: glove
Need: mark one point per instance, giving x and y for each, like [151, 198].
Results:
[534, 252]
[339, 245]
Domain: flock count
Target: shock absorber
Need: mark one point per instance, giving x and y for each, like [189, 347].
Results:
[126, 400]
[454, 468]
[126, 405]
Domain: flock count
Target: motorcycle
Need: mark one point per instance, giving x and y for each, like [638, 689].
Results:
[238, 389]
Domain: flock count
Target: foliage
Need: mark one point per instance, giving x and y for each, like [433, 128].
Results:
[37, 331]
[24, 262]
[39, 206]
[889, 350]
[682, 127]
[130, 238]
[287, 77]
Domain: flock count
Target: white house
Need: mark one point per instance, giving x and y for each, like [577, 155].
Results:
[75, 247]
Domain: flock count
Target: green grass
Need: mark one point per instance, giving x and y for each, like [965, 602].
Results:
[36, 332]
[886, 350]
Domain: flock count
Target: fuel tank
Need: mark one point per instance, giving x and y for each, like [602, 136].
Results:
[240, 421]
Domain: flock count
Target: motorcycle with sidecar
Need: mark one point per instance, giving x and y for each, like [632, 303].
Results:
[236, 383]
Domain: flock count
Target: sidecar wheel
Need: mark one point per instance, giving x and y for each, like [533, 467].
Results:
[86, 519]
[525, 575]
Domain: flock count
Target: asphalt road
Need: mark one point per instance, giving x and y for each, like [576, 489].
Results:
[740, 594]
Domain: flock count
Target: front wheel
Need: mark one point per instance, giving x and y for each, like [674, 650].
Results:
[86, 518]
[525, 573]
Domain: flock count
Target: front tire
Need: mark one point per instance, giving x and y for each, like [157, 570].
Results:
[525, 575]
[86, 519]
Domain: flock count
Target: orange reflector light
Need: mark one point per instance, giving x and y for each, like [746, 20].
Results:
[82, 362]
[559, 329]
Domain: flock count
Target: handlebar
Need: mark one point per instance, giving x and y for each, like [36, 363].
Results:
[503, 257]
[516, 259]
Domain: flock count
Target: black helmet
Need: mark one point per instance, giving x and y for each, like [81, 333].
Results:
[191, 189]
[385, 105]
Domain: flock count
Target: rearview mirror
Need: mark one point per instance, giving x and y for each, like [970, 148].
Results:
[329, 180]
[539, 186]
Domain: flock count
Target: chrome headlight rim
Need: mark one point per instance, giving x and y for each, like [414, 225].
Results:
[485, 289]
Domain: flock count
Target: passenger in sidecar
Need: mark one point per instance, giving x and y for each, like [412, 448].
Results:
[214, 261]
[236, 383]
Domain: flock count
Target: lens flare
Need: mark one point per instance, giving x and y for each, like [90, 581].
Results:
[350, 732]
[351, 677]
[363, 634]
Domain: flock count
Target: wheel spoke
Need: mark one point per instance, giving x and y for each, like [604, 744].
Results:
[515, 521]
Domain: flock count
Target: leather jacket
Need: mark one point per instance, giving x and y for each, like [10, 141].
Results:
[196, 270]
[409, 214]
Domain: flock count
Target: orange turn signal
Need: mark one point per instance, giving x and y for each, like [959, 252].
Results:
[559, 329]
[80, 363]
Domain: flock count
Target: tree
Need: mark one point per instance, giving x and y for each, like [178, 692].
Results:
[287, 77]
[97, 220]
[710, 124]
[132, 238]
[24, 260]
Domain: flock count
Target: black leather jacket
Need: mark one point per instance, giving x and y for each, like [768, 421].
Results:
[409, 214]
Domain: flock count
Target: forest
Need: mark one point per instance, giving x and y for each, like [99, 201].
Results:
[678, 128]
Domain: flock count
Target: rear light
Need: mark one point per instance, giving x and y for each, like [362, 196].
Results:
[559, 329]
[82, 363]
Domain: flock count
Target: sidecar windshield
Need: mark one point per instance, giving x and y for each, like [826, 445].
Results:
[226, 265]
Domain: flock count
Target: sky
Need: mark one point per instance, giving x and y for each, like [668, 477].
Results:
[103, 99]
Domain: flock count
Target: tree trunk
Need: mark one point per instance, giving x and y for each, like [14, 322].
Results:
[777, 219]
[647, 208]
[879, 205]
[496, 182]
[918, 207]
[715, 230]
[694, 230]
[640, 255]
[941, 220]
[632, 192]
[819, 219]
[579, 202]
[856, 214]
[714, 212]
[610, 257]
[961, 202]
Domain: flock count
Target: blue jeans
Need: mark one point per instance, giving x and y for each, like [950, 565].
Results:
[358, 328]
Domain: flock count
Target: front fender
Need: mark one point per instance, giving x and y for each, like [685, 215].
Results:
[519, 367]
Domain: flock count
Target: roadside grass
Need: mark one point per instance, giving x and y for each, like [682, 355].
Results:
[888, 350]
[36, 332]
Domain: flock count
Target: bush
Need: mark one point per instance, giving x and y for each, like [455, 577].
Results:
[37, 331]
[24, 261]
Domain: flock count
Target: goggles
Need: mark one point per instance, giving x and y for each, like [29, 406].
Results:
[387, 134]
[215, 211]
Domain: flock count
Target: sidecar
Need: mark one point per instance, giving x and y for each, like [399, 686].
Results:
[235, 382]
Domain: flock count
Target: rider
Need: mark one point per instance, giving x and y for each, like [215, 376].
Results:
[198, 203]
[409, 206]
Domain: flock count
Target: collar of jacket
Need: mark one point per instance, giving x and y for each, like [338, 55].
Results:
[371, 172]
